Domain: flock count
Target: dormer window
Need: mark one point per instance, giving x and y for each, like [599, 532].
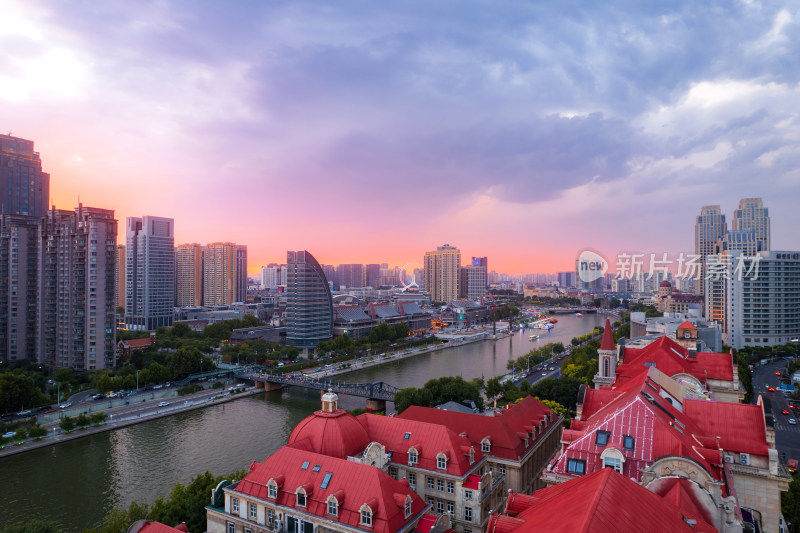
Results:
[272, 491]
[471, 455]
[333, 507]
[486, 446]
[407, 507]
[301, 498]
[441, 461]
[366, 516]
[412, 457]
[601, 437]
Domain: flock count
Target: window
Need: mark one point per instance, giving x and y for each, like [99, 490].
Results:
[502, 470]
[468, 494]
[407, 436]
[613, 462]
[252, 507]
[468, 514]
[429, 499]
[333, 508]
[629, 443]
[601, 437]
[450, 487]
[439, 506]
[441, 463]
[248, 530]
[272, 491]
[451, 509]
[366, 517]
[408, 507]
[430, 483]
[231, 528]
[235, 504]
[440, 484]
[270, 516]
[412, 458]
[486, 446]
[393, 473]
[301, 499]
[412, 479]
[576, 466]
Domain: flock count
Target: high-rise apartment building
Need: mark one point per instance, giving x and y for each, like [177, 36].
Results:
[755, 298]
[709, 227]
[24, 188]
[189, 275]
[753, 216]
[273, 276]
[442, 273]
[566, 279]
[19, 283]
[473, 282]
[224, 273]
[309, 309]
[372, 273]
[149, 272]
[78, 298]
[121, 276]
[351, 275]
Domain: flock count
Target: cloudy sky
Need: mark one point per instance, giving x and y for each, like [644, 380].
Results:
[370, 131]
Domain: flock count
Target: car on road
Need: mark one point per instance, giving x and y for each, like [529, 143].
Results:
[163, 404]
[771, 389]
[65, 405]
[158, 387]
[777, 373]
[98, 396]
[26, 412]
[784, 412]
[187, 402]
[544, 373]
[9, 434]
[792, 421]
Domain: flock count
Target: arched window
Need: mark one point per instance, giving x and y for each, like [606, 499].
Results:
[606, 371]
[301, 497]
[441, 461]
[366, 515]
[272, 489]
[333, 506]
[486, 446]
[407, 507]
[413, 457]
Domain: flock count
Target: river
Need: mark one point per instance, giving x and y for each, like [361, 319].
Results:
[74, 484]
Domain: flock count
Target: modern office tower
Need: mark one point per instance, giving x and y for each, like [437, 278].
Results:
[121, 276]
[372, 275]
[149, 272]
[743, 240]
[309, 309]
[330, 275]
[78, 299]
[19, 283]
[482, 262]
[442, 270]
[240, 294]
[189, 275]
[473, 282]
[566, 279]
[24, 188]
[756, 298]
[224, 273]
[351, 275]
[752, 215]
[709, 227]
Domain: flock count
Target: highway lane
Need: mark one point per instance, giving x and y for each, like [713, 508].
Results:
[787, 436]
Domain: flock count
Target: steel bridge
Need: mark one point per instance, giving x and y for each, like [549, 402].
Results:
[377, 390]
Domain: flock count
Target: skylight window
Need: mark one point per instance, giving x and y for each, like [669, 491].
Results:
[407, 436]
[601, 438]
[317, 468]
[325, 481]
[305, 465]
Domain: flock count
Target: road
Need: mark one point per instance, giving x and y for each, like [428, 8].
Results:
[787, 436]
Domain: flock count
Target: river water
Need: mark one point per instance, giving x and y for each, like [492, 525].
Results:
[74, 484]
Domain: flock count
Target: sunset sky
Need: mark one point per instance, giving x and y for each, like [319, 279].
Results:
[374, 131]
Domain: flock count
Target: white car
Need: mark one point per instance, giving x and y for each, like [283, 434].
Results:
[163, 404]
[65, 405]
[9, 434]
[792, 421]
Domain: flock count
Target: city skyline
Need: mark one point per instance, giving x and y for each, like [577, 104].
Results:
[522, 133]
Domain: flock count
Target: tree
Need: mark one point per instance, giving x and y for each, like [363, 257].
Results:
[37, 432]
[82, 421]
[493, 388]
[181, 329]
[790, 503]
[98, 418]
[32, 526]
[19, 391]
[67, 424]
[21, 434]
[3, 441]
[63, 375]
[439, 391]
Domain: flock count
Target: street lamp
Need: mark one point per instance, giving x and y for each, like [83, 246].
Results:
[137, 381]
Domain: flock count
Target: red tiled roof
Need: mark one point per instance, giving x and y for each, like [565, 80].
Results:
[608, 338]
[428, 439]
[672, 358]
[604, 501]
[687, 325]
[472, 482]
[138, 342]
[337, 434]
[356, 483]
[683, 495]
[503, 429]
[158, 527]
[741, 427]
[426, 523]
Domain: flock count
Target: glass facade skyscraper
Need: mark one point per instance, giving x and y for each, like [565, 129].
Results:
[309, 310]
[149, 272]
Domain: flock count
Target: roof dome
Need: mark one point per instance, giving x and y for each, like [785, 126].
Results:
[331, 431]
[665, 283]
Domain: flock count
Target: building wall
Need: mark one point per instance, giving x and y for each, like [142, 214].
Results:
[442, 273]
[756, 489]
[709, 227]
[309, 310]
[24, 188]
[121, 276]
